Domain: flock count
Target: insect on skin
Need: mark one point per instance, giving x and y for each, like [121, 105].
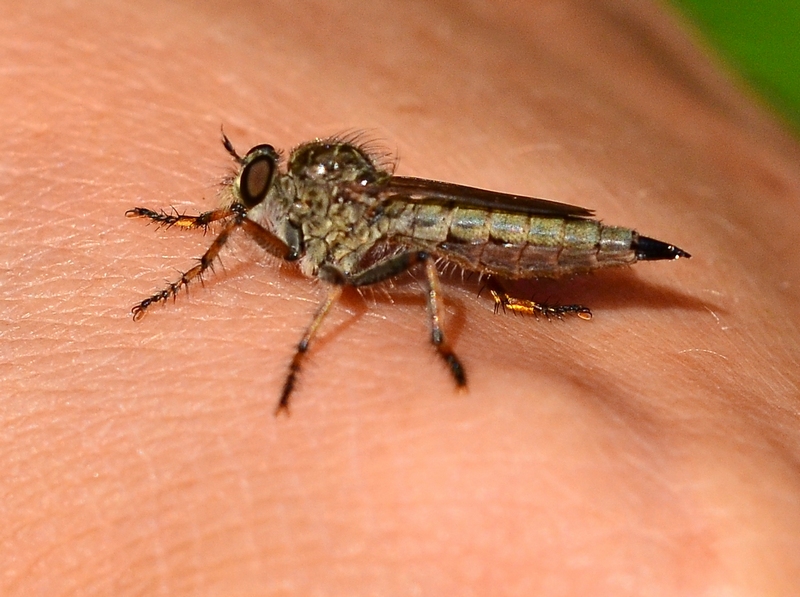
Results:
[343, 217]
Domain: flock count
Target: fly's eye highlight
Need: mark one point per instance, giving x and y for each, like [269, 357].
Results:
[257, 174]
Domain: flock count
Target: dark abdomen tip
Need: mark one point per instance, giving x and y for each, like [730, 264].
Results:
[650, 249]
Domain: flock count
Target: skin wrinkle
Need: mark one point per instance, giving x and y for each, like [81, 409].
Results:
[651, 451]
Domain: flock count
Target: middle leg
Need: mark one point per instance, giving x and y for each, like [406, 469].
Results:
[334, 293]
[394, 266]
[435, 311]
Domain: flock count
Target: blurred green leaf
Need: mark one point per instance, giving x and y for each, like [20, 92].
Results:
[759, 39]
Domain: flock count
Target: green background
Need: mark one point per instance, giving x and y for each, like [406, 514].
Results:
[760, 40]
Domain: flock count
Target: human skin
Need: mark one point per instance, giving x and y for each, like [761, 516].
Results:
[651, 451]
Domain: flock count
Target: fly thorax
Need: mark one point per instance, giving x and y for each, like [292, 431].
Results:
[328, 207]
[309, 210]
[333, 162]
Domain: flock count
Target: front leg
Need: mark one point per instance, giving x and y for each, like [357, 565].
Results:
[238, 219]
[172, 289]
[173, 218]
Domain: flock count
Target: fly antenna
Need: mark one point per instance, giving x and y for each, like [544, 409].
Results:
[229, 146]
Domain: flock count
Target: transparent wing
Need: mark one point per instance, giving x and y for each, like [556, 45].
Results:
[421, 190]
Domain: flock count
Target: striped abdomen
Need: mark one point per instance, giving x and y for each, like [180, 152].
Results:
[515, 245]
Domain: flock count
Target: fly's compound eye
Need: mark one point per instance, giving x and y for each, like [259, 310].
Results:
[257, 174]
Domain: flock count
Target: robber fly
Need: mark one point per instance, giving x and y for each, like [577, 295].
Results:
[341, 214]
